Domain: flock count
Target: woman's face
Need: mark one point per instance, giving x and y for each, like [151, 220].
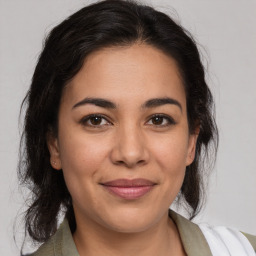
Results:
[123, 139]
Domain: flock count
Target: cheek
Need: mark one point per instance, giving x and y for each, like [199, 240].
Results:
[81, 156]
[171, 153]
[81, 159]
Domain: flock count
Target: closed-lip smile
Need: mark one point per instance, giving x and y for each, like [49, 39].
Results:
[129, 189]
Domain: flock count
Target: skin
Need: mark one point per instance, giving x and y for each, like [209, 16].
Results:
[126, 143]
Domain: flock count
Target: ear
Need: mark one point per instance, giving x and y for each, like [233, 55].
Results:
[53, 147]
[192, 147]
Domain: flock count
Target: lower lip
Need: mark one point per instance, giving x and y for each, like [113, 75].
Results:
[129, 193]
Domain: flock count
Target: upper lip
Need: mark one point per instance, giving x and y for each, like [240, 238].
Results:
[129, 183]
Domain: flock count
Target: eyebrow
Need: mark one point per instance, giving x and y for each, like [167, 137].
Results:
[97, 102]
[151, 103]
[156, 102]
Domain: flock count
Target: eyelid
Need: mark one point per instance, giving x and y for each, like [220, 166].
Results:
[86, 118]
[170, 120]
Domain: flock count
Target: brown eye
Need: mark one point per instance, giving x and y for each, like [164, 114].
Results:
[96, 121]
[161, 120]
[157, 120]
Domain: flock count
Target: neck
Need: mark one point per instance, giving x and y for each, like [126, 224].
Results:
[161, 239]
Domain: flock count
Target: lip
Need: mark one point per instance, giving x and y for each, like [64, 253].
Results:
[129, 189]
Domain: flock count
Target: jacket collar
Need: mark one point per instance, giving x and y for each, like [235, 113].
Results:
[191, 235]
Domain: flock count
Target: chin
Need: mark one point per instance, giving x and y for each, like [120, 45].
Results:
[129, 220]
[129, 226]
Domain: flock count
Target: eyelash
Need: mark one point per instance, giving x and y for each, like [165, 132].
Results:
[87, 118]
[170, 120]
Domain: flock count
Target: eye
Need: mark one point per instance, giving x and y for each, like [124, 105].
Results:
[95, 121]
[161, 120]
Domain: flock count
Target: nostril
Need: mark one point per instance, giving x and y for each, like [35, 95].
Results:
[129, 153]
[141, 162]
[130, 164]
[120, 162]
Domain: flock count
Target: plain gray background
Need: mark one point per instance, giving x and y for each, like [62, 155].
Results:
[226, 29]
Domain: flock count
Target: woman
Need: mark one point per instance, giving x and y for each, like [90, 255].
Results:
[119, 117]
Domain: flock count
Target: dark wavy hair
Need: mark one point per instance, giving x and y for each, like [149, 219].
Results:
[105, 24]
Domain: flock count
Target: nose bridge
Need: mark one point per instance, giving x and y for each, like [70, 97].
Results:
[131, 138]
[130, 147]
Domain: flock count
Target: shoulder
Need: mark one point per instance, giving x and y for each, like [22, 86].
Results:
[47, 249]
[252, 240]
[60, 244]
[53, 247]
[200, 239]
[223, 239]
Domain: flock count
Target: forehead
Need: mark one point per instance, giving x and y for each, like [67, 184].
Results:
[136, 72]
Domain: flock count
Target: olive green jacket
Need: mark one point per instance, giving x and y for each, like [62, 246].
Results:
[194, 242]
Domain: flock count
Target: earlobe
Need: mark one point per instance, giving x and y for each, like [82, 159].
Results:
[53, 147]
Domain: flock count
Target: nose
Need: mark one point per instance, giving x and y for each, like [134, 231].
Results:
[129, 148]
